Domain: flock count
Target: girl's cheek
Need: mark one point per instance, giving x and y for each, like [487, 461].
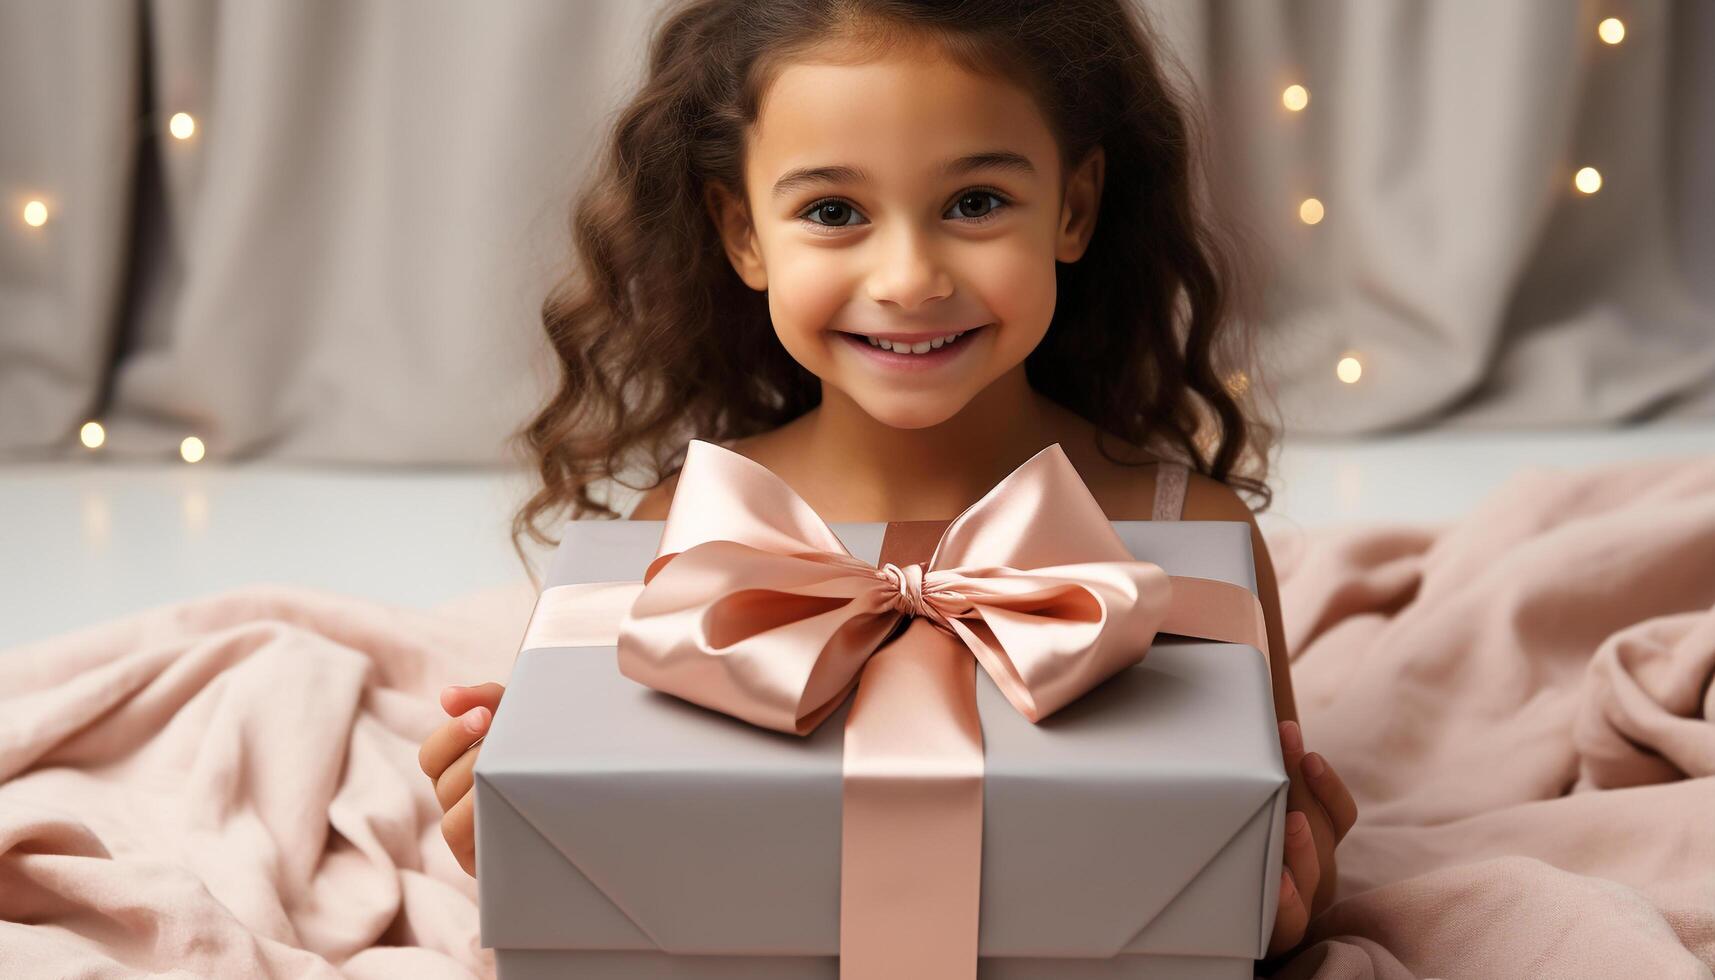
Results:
[1017, 280]
[1015, 283]
[808, 290]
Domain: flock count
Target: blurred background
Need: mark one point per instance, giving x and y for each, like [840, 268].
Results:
[270, 272]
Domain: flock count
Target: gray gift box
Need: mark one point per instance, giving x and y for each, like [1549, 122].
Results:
[623, 833]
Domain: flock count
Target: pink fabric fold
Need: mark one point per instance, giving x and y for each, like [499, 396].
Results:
[1521, 703]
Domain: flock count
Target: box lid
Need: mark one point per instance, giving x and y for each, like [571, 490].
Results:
[1146, 817]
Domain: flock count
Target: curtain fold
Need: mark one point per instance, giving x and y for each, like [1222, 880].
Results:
[346, 260]
[69, 96]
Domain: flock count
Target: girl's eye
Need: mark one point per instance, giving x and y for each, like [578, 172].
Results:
[835, 213]
[988, 210]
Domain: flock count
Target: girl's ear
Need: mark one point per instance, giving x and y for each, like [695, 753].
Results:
[1078, 212]
[738, 237]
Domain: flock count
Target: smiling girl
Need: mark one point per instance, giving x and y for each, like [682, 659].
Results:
[891, 249]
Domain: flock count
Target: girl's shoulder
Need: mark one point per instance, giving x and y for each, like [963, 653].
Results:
[1159, 489]
[656, 501]
[1130, 483]
[1156, 490]
[653, 505]
[1208, 499]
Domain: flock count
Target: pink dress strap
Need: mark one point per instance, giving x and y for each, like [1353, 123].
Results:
[1170, 482]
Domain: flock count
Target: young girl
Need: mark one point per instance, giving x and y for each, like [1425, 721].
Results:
[890, 249]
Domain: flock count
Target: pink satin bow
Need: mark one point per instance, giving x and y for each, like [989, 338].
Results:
[753, 607]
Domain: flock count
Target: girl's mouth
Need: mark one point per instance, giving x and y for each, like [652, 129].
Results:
[920, 356]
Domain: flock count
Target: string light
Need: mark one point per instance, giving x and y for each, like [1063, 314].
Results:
[1588, 180]
[181, 125]
[1295, 98]
[1349, 370]
[1238, 383]
[1612, 30]
[1310, 212]
[191, 450]
[92, 435]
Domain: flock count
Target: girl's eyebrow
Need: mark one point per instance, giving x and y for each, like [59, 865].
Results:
[991, 160]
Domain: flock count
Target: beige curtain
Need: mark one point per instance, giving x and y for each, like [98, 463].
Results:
[1456, 261]
[346, 260]
[68, 98]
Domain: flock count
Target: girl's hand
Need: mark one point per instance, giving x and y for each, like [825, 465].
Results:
[1310, 840]
[449, 755]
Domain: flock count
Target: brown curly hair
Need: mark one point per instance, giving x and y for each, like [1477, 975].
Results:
[659, 341]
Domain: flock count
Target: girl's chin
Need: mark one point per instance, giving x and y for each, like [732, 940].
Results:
[905, 411]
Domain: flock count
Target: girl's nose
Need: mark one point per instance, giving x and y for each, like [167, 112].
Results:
[908, 274]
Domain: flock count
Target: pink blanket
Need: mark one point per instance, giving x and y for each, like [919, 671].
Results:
[1520, 701]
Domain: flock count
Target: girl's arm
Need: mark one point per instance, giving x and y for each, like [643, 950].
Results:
[1323, 799]
[1211, 500]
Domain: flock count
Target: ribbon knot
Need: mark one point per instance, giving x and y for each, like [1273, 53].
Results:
[909, 581]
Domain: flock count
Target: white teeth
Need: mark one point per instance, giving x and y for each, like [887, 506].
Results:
[921, 347]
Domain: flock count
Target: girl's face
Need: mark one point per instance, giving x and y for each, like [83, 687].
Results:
[905, 198]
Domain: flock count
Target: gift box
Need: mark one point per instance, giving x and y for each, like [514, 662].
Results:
[626, 833]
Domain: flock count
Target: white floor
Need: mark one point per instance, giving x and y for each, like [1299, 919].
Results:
[84, 543]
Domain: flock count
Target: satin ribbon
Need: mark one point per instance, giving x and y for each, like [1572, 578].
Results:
[753, 607]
